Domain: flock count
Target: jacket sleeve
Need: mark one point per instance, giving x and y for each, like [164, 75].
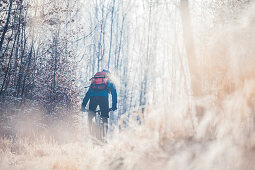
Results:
[86, 98]
[113, 92]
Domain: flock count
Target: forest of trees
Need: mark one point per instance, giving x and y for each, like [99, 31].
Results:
[37, 62]
[50, 49]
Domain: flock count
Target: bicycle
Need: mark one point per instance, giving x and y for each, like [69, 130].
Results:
[98, 126]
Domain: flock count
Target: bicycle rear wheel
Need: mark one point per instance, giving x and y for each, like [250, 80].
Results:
[103, 129]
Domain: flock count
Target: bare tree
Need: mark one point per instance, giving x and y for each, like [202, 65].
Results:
[189, 46]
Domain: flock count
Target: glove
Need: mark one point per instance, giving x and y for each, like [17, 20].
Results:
[83, 109]
[114, 107]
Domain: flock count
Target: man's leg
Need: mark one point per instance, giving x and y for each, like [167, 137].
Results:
[104, 107]
[91, 114]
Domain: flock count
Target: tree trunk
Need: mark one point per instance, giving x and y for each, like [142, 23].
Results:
[6, 25]
[190, 48]
[110, 48]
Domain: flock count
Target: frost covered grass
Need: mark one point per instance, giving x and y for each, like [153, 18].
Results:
[45, 154]
[221, 138]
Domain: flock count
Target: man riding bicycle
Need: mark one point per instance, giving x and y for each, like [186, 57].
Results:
[97, 95]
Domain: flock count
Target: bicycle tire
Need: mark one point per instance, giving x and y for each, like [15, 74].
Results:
[98, 128]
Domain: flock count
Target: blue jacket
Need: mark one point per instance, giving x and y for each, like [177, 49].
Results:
[92, 92]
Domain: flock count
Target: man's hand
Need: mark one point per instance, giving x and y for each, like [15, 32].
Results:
[83, 109]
